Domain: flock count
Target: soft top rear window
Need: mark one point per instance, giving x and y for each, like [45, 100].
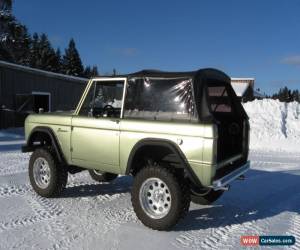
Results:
[222, 100]
[219, 99]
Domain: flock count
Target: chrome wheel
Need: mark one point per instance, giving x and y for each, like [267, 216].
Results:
[155, 198]
[41, 173]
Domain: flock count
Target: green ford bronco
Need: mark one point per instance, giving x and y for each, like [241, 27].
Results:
[182, 135]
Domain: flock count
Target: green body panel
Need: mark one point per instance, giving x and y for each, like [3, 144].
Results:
[95, 143]
[190, 138]
[106, 143]
[60, 125]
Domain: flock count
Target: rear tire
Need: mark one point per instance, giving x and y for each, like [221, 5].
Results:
[159, 198]
[47, 177]
[102, 177]
[206, 197]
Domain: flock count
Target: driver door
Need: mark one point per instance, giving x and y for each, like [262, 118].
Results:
[95, 129]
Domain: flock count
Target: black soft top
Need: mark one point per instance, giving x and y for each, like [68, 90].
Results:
[196, 75]
[200, 80]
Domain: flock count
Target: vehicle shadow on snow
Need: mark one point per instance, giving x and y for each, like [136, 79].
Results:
[120, 185]
[263, 195]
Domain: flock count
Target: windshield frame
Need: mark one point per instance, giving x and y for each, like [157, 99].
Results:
[102, 79]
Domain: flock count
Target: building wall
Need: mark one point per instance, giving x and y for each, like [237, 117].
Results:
[16, 80]
[248, 94]
[65, 93]
[242, 80]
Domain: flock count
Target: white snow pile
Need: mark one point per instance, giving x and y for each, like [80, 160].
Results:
[275, 126]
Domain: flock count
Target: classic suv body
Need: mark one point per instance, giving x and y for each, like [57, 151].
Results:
[183, 136]
[105, 144]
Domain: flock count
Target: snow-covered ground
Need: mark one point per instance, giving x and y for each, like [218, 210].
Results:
[99, 216]
[275, 126]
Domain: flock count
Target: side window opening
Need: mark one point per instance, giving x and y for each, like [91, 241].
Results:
[166, 99]
[103, 100]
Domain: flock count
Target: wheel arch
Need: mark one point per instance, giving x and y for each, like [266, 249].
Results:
[160, 147]
[44, 134]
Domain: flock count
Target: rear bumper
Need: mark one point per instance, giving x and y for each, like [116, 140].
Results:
[225, 180]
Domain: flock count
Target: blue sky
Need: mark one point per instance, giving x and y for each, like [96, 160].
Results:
[258, 39]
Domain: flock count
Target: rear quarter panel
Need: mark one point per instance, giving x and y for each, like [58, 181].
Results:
[197, 142]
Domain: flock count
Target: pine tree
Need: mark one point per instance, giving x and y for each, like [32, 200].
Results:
[42, 54]
[17, 46]
[6, 5]
[94, 71]
[14, 38]
[87, 72]
[22, 45]
[287, 95]
[34, 51]
[46, 54]
[283, 94]
[295, 96]
[57, 62]
[90, 72]
[72, 64]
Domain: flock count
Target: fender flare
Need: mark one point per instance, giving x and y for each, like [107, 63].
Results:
[29, 147]
[172, 146]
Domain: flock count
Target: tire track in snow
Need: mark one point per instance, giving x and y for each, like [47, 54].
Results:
[69, 235]
[114, 217]
[7, 190]
[275, 166]
[85, 226]
[43, 209]
[270, 154]
[295, 231]
[13, 163]
[274, 163]
[227, 236]
[217, 235]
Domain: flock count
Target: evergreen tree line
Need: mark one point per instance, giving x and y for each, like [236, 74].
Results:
[36, 51]
[287, 95]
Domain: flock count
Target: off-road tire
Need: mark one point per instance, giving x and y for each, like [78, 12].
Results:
[206, 199]
[179, 192]
[103, 177]
[58, 173]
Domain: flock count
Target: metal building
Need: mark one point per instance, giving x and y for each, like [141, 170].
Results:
[24, 90]
[244, 88]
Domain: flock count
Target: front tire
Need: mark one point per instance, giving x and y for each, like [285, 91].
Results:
[159, 198]
[47, 177]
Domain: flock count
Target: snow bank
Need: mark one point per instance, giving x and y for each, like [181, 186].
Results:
[275, 126]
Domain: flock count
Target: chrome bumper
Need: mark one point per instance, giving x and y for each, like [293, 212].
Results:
[224, 181]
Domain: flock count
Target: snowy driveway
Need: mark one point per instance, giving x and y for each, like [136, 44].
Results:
[100, 216]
